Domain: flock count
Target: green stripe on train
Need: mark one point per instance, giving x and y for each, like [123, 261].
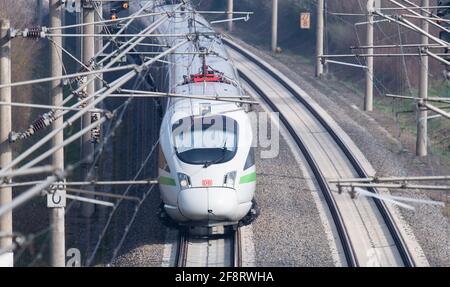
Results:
[167, 181]
[248, 178]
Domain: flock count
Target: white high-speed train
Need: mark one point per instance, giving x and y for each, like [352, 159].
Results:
[207, 174]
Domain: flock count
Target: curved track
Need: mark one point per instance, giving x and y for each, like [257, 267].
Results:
[366, 229]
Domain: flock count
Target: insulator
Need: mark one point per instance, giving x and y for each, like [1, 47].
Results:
[93, 64]
[95, 132]
[95, 135]
[84, 68]
[79, 80]
[34, 33]
[81, 95]
[95, 117]
[42, 122]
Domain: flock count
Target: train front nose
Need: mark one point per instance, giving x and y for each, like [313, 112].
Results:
[206, 204]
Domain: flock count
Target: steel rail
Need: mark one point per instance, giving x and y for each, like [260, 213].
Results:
[235, 252]
[237, 248]
[381, 206]
[181, 257]
[323, 184]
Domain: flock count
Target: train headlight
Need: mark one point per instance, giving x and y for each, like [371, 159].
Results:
[229, 179]
[184, 180]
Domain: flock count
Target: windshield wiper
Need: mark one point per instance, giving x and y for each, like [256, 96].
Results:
[209, 163]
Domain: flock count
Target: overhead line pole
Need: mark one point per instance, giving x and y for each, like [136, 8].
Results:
[408, 24]
[57, 219]
[274, 25]
[105, 92]
[137, 40]
[422, 115]
[99, 45]
[99, 82]
[424, 14]
[88, 54]
[39, 12]
[124, 27]
[230, 10]
[78, 41]
[6, 259]
[368, 99]
[99, 41]
[320, 38]
[32, 192]
[100, 95]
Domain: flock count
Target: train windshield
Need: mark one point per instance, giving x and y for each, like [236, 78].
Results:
[205, 140]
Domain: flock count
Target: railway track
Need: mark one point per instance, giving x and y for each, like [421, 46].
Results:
[216, 247]
[366, 229]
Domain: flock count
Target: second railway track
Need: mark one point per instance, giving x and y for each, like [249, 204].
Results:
[366, 229]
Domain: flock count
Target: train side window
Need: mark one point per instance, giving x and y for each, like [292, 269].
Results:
[250, 159]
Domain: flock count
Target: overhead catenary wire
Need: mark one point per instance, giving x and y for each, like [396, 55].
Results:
[30, 171]
[127, 101]
[419, 15]
[105, 194]
[377, 81]
[113, 211]
[91, 257]
[56, 114]
[71, 204]
[112, 39]
[396, 186]
[101, 95]
[115, 21]
[410, 26]
[231, 99]
[81, 74]
[156, 59]
[128, 227]
[48, 107]
[27, 195]
[86, 183]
